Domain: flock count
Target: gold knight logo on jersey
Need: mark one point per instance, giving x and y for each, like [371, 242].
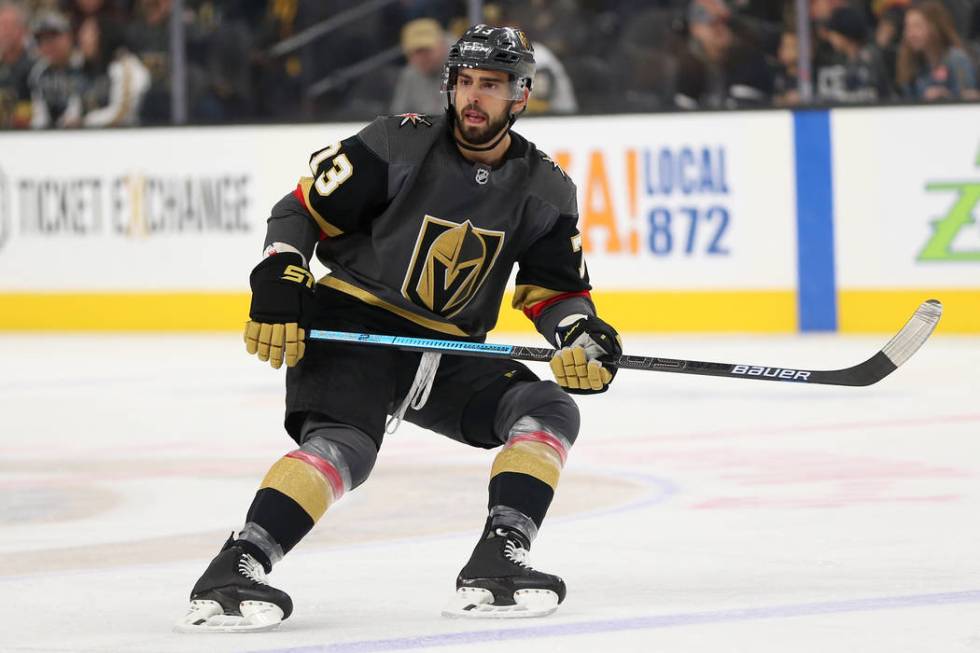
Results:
[450, 263]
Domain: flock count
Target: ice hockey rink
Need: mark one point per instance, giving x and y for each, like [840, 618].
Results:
[695, 514]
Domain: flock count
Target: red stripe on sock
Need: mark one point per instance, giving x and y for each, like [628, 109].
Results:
[545, 438]
[329, 471]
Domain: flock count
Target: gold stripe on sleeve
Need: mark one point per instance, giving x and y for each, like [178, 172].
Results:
[306, 183]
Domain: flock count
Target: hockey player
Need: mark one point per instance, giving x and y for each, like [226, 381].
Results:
[421, 221]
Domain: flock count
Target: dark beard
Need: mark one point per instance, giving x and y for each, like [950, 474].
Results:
[486, 133]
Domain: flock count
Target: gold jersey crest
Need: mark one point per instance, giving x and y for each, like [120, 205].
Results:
[450, 262]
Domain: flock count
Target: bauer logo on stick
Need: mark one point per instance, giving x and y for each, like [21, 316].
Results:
[776, 372]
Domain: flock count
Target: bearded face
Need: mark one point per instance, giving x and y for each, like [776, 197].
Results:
[478, 126]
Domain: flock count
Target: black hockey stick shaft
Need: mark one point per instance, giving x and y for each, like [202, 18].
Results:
[898, 350]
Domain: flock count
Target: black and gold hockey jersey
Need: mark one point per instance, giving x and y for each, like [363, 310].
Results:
[409, 225]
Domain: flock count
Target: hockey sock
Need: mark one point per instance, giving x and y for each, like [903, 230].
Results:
[524, 476]
[294, 494]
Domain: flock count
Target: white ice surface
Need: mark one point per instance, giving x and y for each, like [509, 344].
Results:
[694, 514]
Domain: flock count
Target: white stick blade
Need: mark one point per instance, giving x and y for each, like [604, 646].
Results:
[915, 332]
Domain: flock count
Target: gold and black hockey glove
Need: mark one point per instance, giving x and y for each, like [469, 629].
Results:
[587, 346]
[282, 301]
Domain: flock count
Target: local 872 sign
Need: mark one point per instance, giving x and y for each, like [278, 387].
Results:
[682, 202]
[663, 201]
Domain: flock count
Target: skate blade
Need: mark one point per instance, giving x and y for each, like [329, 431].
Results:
[476, 603]
[209, 617]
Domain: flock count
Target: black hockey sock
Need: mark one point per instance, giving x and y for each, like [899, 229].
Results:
[281, 516]
[523, 493]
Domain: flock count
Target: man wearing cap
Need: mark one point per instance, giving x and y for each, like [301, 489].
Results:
[418, 87]
[57, 80]
[855, 72]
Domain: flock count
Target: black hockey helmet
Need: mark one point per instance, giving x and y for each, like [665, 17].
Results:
[492, 48]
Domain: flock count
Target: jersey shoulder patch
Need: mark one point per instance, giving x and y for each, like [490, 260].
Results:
[415, 120]
[404, 138]
[554, 164]
[551, 183]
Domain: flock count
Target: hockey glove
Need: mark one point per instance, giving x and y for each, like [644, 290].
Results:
[282, 296]
[587, 346]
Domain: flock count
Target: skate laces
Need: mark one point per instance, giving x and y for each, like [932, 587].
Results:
[251, 569]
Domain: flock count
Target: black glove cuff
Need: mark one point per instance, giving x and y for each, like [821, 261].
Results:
[602, 333]
[282, 290]
[272, 268]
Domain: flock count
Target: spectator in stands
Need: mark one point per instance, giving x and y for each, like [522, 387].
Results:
[786, 82]
[641, 73]
[888, 32]
[973, 35]
[856, 72]
[932, 64]
[223, 46]
[79, 10]
[959, 14]
[419, 85]
[280, 81]
[719, 70]
[758, 23]
[820, 11]
[149, 32]
[553, 92]
[115, 79]
[57, 80]
[15, 67]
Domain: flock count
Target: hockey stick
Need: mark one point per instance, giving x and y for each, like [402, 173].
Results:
[898, 350]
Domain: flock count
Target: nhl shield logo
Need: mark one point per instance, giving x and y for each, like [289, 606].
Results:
[450, 263]
[482, 175]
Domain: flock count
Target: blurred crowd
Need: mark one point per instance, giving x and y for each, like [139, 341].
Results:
[92, 63]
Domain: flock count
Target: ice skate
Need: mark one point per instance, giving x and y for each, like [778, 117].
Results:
[497, 582]
[233, 596]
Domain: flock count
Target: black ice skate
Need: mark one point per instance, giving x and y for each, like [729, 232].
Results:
[233, 596]
[498, 583]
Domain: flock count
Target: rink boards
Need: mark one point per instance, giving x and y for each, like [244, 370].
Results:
[752, 221]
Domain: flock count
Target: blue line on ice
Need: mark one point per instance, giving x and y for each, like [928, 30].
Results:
[639, 623]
